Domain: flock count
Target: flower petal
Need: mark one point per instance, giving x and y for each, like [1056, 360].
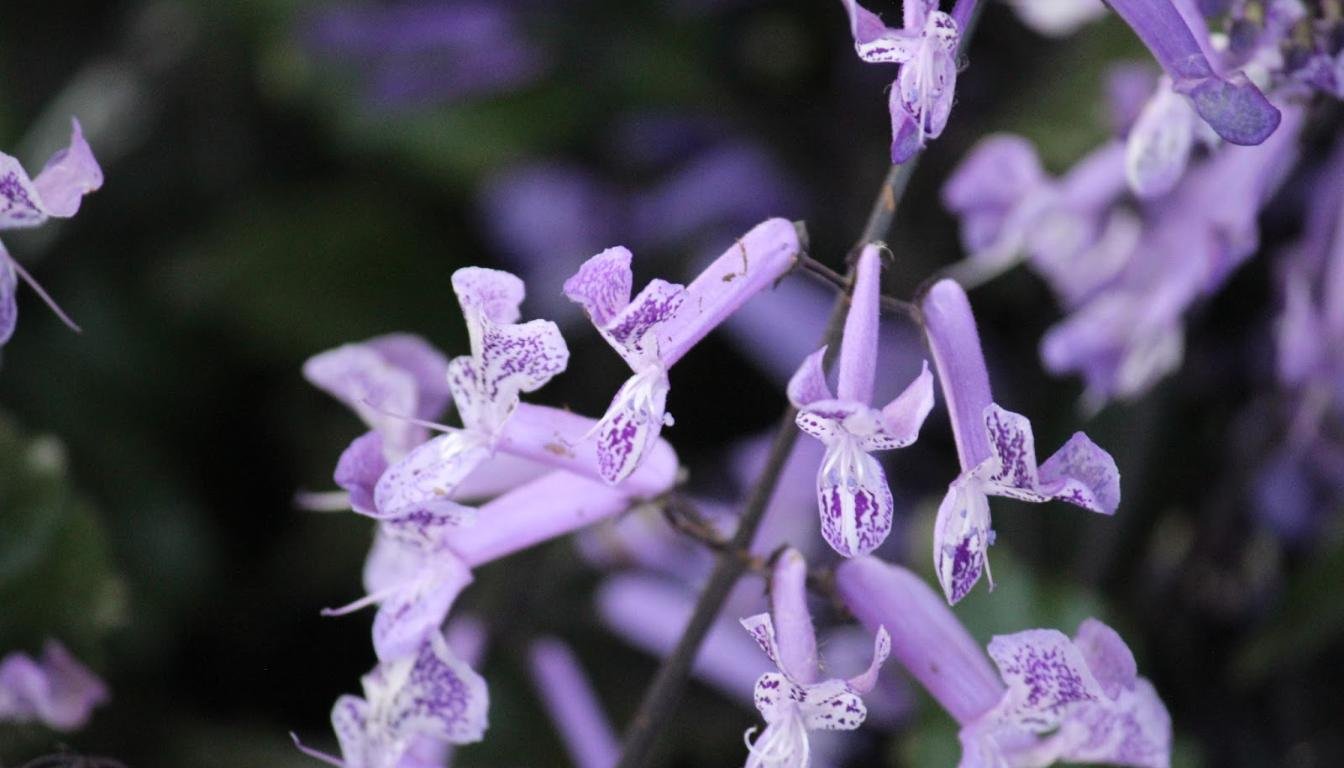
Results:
[1045, 673]
[350, 721]
[443, 697]
[632, 332]
[411, 614]
[796, 640]
[1235, 109]
[68, 176]
[762, 629]
[874, 41]
[602, 285]
[1107, 656]
[808, 385]
[864, 682]
[358, 470]
[1081, 473]
[955, 344]
[1159, 144]
[855, 502]
[20, 202]
[961, 538]
[1135, 731]
[572, 704]
[1014, 473]
[858, 350]
[425, 479]
[364, 381]
[424, 363]
[511, 359]
[903, 416]
[831, 706]
[489, 293]
[999, 171]
[775, 695]
[9, 307]
[632, 424]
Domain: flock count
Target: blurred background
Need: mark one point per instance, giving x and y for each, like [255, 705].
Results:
[286, 176]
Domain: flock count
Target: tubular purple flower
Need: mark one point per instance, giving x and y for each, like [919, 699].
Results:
[853, 497]
[572, 704]
[791, 705]
[27, 202]
[926, 637]
[652, 331]
[1232, 106]
[57, 691]
[996, 449]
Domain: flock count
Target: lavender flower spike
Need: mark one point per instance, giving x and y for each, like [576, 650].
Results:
[652, 331]
[996, 449]
[428, 698]
[852, 493]
[28, 202]
[507, 358]
[790, 700]
[926, 49]
[572, 704]
[57, 691]
[1232, 106]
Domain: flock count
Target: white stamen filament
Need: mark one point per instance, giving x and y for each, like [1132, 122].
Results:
[779, 744]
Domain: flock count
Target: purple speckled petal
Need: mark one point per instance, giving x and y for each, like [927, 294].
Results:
[634, 331]
[416, 610]
[1045, 674]
[509, 360]
[1013, 473]
[831, 706]
[426, 478]
[632, 424]
[20, 202]
[424, 363]
[858, 350]
[68, 176]
[903, 416]
[1159, 144]
[961, 538]
[750, 265]
[874, 41]
[926, 637]
[854, 500]
[1135, 731]
[1081, 473]
[492, 294]
[602, 285]
[775, 696]
[925, 87]
[865, 681]
[373, 388]
[960, 363]
[442, 697]
[9, 307]
[762, 630]
[1107, 656]
[358, 470]
[350, 722]
[795, 639]
[808, 385]
[826, 419]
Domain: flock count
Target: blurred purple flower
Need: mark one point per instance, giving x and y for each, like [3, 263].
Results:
[572, 704]
[1054, 699]
[57, 691]
[996, 449]
[27, 202]
[853, 497]
[420, 53]
[1058, 18]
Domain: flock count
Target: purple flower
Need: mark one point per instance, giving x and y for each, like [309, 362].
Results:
[1231, 105]
[653, 330]
[428, 52]
[794, 700]
[28, 202]
[57, 691]
[926, 49]
[996, 450]
[853, 497]
[1054, 699]
[1068, 229]
[410, 705]
[572, 704]
[507, 358]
